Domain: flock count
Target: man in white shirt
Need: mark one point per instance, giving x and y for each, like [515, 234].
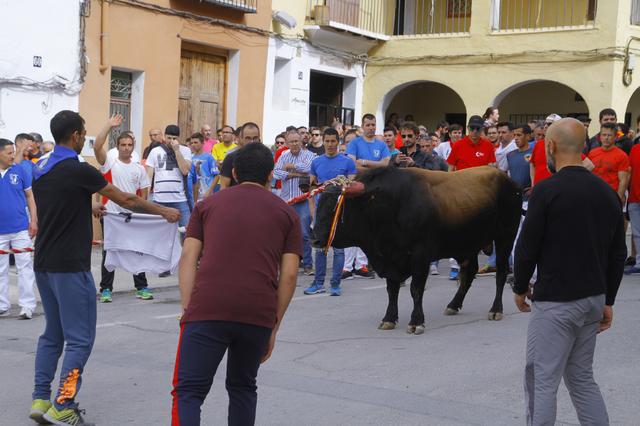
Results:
[167, 165]
[130, 177]
[444, 148]
[507, 144]
[102, 137]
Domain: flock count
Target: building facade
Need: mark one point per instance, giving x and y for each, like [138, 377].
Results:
[449, 59]
[41, 69]
[315, 73]
[189, 62]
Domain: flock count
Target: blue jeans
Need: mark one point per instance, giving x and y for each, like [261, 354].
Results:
[302, 208]
[491, 261]
[183, 207]
[321, 267]
[69, 303]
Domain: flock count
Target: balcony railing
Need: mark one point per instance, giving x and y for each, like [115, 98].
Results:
[534, 15]
[363, 16]
[248, 6]
[414, 17]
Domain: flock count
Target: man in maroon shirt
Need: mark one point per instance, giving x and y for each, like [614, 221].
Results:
[227, 306]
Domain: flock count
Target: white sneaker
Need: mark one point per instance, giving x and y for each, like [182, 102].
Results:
[433, 270]
[25, 314]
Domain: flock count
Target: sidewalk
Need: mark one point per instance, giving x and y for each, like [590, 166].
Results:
[123, 281]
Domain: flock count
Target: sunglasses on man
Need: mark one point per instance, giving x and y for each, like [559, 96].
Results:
[408, 136]
[475, 128]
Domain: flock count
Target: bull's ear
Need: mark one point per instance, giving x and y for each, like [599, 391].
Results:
[355, 189]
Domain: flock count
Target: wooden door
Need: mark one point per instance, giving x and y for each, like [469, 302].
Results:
[202, 92]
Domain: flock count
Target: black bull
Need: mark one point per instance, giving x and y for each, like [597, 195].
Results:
[403, 219]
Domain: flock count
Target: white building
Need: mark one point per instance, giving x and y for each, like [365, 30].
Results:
[41, 69]
[313, 72]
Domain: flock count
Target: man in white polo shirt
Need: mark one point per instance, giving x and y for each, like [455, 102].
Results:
[130, 177]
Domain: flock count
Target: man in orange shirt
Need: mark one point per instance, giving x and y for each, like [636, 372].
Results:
[611, 163]
[472, 150]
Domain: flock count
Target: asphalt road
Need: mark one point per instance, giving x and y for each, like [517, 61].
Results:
[331, 366]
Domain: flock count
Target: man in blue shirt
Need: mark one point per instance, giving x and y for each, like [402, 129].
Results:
[368, 153]
[324, 168]
[16, 230]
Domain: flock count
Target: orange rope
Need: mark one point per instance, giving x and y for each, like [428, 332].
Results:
[334, 222]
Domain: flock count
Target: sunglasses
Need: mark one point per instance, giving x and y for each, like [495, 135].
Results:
[475, 128]
[315, 134]
[279, 143]
[408, 136]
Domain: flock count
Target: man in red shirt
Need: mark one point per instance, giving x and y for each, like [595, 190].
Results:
[610, 162]
[227, 306]
[472, 150]
[634, 205]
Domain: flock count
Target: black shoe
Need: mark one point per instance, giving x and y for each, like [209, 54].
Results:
[346, 275]
[364, 272]
[631, 261]
[164, 274]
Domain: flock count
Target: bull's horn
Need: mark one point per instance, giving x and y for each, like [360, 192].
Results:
[355, 189]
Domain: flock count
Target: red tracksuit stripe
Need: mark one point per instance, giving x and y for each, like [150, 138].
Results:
[175, 419]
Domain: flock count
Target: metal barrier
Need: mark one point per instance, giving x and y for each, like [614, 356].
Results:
[432, 17]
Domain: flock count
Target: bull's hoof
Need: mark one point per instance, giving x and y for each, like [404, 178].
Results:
[451, 311]
[495, 316]
[387, 325]
[415, 329]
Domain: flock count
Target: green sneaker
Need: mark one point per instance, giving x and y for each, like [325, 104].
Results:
[105, 296]
[38, 408]
[66, 416]
[144, 294]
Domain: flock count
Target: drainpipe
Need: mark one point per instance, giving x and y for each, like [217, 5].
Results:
[104, 36]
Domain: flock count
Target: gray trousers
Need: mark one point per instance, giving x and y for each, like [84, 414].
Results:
[561, 340]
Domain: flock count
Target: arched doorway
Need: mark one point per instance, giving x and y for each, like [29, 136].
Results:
[633, 110]
[427, 101]
[535, 99]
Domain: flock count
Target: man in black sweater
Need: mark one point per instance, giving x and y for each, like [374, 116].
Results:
[574, 233]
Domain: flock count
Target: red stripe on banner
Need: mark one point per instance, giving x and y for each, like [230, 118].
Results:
[30, 249]
[175, 419]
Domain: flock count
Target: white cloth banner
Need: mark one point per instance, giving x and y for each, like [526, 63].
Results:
[138, 243]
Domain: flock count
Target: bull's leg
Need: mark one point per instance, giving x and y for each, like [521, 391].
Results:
[468, 270]
[391, 317]
[502, 269]
[418, 282]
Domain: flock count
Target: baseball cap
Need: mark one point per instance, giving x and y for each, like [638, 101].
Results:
[552, 118]
[172, 130]
[476, 121]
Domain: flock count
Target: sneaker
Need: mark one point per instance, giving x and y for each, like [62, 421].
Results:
[164, 274]
[631, 261]
[25, 314]
[346, 275]
[105, 296]
[486, 269]
[314, 289]
[38, 408]
[335, 291]
[364, 272]
[308, 271]
[433, 270]
[144, 294]
[453, 275]
[66, 416]
[632, 270]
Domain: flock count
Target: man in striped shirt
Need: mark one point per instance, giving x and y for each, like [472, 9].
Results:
[291, 166]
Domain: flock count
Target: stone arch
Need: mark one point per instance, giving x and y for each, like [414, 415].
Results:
[535, 99]
[427, 100]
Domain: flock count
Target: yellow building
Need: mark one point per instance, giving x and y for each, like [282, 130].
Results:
[451, 59]
[190, 62]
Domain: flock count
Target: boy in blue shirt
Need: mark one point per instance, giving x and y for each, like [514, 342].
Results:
[204, 171]
[324, 168]
[16, 229]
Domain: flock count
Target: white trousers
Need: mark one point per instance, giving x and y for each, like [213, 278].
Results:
[354, 253]
[24, 263]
